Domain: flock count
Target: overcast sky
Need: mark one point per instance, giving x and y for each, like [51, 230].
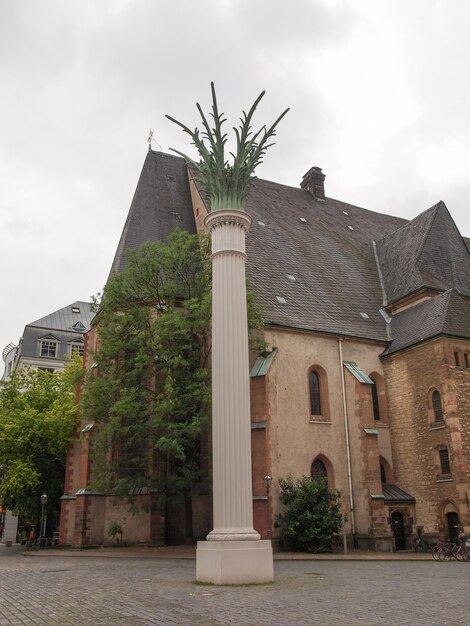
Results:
[378, 90]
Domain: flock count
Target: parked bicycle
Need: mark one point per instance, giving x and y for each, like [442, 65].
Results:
[452, 550]
[420, 545]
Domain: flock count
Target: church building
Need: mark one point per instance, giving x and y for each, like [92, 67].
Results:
[365, 379]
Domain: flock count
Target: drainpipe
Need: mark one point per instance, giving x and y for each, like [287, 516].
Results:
[346, 432]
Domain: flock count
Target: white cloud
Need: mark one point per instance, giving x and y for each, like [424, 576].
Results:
[377, 90]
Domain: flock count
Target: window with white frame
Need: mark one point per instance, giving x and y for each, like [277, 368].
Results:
[76, 348]
[48, 348]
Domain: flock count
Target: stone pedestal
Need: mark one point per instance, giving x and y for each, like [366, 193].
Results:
[234, 562]
[233, 552]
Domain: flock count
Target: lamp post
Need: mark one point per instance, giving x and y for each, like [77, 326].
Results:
[267, 481]
[43, 514]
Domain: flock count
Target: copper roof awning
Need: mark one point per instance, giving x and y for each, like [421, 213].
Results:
[395, 495]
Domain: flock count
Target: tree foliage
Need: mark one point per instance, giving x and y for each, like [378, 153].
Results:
[38, 415]
[311, 520]
[149, 395]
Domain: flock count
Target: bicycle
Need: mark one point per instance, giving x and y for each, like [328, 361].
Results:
[443, 551]
[462, 550]
[420, 545]
[449, 550]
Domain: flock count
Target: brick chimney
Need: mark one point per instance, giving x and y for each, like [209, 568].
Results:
[314, 181]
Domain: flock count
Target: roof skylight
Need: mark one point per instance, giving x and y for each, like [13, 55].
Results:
[350, 227]
[303, 220]
[345, 213]
[75, 309]
[364, 315]
[261, 223]
[281, 300]
[291, 277]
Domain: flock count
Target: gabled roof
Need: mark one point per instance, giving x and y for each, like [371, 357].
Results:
[447, 314]
[59, 325]
[311, 263]
[426, 252]
[162, 202]
[327, 248]
[67, 318]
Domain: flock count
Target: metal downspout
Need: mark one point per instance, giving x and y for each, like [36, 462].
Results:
[346, 432]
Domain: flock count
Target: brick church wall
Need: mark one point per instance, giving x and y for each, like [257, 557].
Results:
[411, 376]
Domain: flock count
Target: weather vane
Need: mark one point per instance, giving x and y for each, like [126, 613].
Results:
[151, 139]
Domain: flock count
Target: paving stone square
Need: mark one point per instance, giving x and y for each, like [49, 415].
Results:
[70, 591]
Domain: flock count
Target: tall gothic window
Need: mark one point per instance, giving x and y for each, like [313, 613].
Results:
[318, 470]
[437, 407]
[375, 401]
[315, 400]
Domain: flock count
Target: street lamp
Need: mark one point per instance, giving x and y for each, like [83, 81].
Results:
[43, 514]
[267, 481]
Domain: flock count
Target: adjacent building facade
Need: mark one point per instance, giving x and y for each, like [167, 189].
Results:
[47, 342]
[366, 376]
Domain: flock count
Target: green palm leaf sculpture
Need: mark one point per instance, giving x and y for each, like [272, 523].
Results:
[226, 185]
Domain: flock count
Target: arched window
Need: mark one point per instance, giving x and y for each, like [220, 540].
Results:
[437, 408]
[315, 399]
[383, 477]
[375, 400]
[318, 470]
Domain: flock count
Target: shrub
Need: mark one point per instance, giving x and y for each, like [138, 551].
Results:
[311, 520]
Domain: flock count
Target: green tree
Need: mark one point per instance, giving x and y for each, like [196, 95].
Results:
[311, 519]
[150, 392]
[38, 416]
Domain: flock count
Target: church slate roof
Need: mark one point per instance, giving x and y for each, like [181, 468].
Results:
[312, 263]
[162, 201]
[445, 314]
[426, 252]
[327, 248]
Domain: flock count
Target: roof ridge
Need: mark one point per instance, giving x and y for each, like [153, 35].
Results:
[434, 208]
[409, 222]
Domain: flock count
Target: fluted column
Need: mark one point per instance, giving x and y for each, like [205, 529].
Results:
[231, 434]
[233, 553]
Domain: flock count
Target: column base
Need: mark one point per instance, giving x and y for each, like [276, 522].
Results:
[234, 562]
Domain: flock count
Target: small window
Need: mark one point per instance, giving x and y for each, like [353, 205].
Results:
[76, 348]
[437, 408]
[457, 358]
[75, 309]
[467, 359]
[318, 470]
[444, 460]
[78, 326]
[315, 399]
[49, 349]
[375, 401]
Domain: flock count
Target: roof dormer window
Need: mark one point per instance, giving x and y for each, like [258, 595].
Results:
[48, 349]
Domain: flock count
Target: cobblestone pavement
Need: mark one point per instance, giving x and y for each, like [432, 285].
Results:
[69, 591]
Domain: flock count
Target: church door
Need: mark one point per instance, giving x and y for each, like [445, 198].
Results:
[398, 527]
[453, 525]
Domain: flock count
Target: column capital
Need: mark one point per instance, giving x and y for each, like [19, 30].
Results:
[233, 217]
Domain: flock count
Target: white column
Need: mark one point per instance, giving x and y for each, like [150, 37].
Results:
[233, 552]
[231, 430]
